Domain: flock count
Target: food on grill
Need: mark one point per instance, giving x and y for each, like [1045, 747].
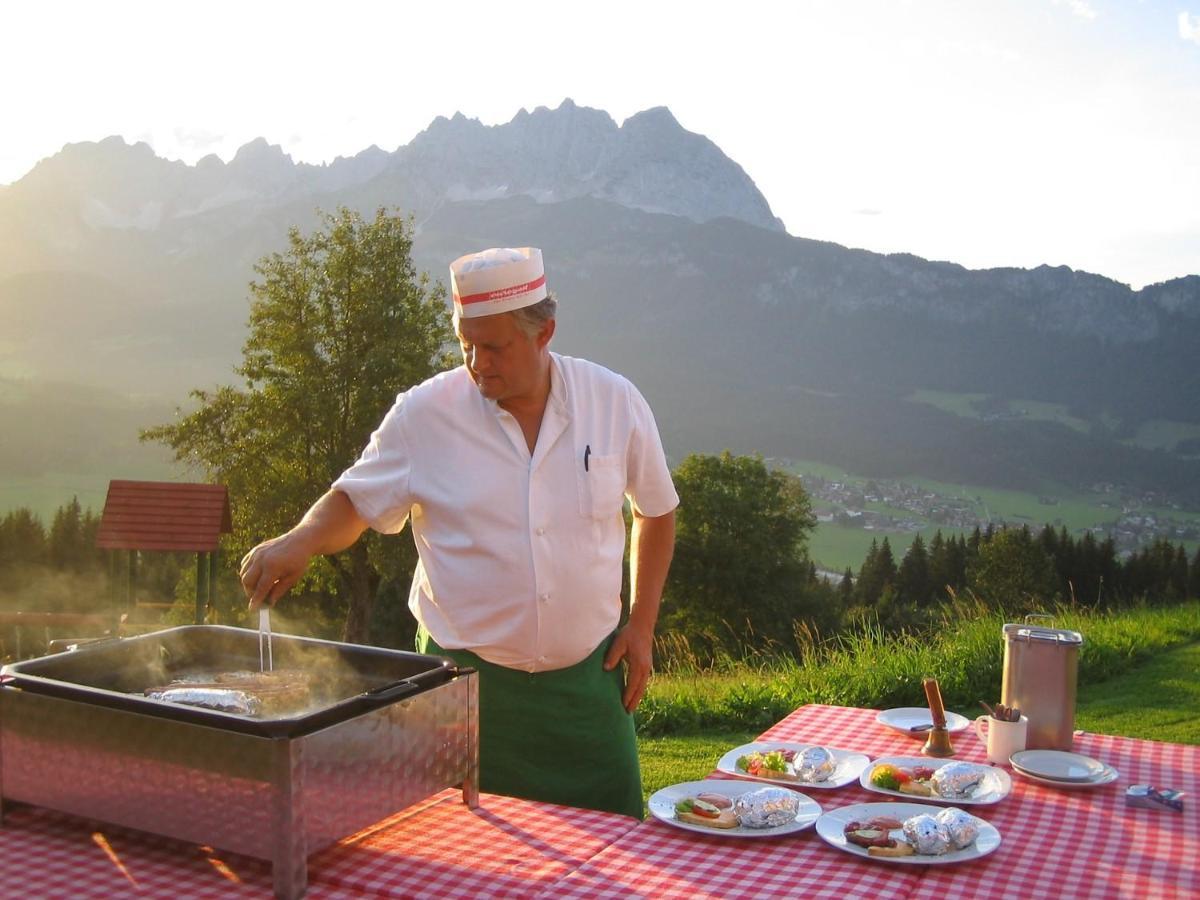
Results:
[956, 780]
[221, 699]
[815, 764]
[767, 807]
[695, 811]
[282, 692]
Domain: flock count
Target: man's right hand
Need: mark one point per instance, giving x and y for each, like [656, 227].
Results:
[270, 569]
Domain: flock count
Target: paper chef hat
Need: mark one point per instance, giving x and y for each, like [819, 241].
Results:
[497, 280]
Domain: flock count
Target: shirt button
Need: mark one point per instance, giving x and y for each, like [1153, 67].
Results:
[545, 598]
[541, 659]
[541, 531]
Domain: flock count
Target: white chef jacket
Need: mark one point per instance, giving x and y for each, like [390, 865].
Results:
[521, 555]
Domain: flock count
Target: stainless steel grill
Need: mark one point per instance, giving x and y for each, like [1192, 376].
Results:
[387, 729]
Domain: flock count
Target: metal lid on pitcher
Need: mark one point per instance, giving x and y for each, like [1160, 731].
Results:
[1026, 632]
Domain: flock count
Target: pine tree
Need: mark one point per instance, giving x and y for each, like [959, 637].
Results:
[878, 572]
[846, 588]
[912, 579]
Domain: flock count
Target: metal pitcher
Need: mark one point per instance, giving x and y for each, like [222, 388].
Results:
[1041, 668]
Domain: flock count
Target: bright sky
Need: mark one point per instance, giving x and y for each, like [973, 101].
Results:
[999, 133]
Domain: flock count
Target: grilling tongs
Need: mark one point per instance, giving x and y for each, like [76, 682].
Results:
[266, 660]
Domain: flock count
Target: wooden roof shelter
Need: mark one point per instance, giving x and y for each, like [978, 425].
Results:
[171, 516]
[164, 515]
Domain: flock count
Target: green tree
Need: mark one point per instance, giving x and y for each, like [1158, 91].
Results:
[878, 572]
[846, 588]
[740, 552]
[71, 544]
[913, 582]
[22, 539]
[339, 324]
[1012, 572]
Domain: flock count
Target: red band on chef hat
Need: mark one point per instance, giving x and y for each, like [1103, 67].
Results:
[497, 280]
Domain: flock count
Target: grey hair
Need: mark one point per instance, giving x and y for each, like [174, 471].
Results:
[530, 319]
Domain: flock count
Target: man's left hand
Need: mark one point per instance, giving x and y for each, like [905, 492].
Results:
[636, 646]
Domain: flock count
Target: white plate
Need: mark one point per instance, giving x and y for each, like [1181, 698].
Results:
[1108, 776]
[849, 764]
[995, 786]
[832, 829]
[662, 806]
[904, 718]
[1057, 765]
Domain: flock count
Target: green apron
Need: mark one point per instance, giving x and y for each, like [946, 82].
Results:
[561, 736]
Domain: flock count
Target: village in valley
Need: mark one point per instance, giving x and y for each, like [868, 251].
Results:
[895, 506]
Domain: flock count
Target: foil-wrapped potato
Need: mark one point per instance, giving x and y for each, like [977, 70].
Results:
[956, 780]
[767, 807]
[962, 827]
[927, 835]
[815, 764]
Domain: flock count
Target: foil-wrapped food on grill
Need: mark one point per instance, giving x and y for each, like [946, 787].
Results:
[264, 694]
[956, 780]
[962, 827]
[927, 835]
[767, 807]
[814, 764]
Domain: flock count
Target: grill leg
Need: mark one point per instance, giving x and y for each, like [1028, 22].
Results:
[289, 861]
[470, 785]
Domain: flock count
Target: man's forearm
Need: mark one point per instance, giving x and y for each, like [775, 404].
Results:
[652, 544]
[330, 526]
[269, 570]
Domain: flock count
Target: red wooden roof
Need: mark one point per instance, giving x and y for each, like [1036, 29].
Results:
[163, 515]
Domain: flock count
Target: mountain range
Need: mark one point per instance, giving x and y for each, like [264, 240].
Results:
[124, 273]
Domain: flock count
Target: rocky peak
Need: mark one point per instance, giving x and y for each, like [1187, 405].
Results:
[650, 163]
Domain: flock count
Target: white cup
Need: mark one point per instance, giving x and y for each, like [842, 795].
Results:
[1003, 739]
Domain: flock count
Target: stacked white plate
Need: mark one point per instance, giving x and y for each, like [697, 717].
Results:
[1059, 768]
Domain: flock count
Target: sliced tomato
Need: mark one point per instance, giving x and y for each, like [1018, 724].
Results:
[705, 809]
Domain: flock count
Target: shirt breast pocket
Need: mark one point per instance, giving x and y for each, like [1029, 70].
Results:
[602, 486]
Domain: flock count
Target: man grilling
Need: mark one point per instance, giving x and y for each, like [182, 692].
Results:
[513, 469]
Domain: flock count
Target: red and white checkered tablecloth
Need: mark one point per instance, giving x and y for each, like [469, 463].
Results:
[48, 855]
[1055, 843]
[436, 848]
[505, 848]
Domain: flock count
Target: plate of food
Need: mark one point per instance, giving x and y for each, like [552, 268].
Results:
[733, 808]
[922, 778]
[908, 834]
[915, 721]
[796, 765]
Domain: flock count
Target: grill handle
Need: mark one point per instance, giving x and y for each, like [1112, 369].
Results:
[389, 693]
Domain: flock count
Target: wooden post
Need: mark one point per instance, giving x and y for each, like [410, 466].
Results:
[201, 586]
[130, 578]
[212, 575]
